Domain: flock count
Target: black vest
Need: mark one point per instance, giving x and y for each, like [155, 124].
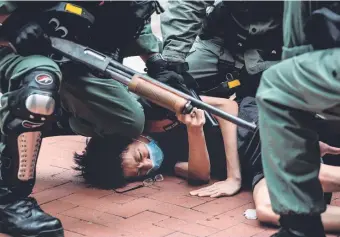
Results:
[105, 26]
[234, 18]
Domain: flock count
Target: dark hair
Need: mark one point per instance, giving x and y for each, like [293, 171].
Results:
[101, 163]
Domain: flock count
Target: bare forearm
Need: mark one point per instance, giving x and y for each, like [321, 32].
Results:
[199, 163]
[229, 133]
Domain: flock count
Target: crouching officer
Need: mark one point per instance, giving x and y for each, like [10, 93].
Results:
[290, 95]
[35, 88]
[235, 42]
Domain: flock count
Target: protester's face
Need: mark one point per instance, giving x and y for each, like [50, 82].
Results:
[136, 159]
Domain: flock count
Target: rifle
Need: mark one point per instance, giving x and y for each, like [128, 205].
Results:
[155, 91]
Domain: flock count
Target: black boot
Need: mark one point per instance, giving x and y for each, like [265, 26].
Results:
[283, 233]
[20, 215]
[300, 226]
[24, 218]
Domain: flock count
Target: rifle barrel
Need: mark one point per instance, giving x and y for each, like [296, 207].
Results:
[123, 74]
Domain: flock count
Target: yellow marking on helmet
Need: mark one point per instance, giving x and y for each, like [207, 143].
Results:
[234, 83]
[73, 9]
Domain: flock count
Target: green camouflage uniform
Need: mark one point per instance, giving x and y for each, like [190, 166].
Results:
[98, 106]
[289, 96]
[204, 49]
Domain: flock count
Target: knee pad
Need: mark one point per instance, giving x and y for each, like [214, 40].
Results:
[34, 103]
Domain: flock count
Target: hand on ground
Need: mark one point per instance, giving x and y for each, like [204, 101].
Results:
[228, 187]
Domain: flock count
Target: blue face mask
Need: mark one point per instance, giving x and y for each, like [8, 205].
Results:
[156, 155]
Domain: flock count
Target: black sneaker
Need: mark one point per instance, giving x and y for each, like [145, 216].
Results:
[285, 233]
[25, 218]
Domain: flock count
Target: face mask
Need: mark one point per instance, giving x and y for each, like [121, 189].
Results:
[156, 155]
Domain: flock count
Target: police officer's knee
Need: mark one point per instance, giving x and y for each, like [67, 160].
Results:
[38, 62]
[35, 101]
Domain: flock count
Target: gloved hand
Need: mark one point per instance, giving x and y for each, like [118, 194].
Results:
[167, 73]
[30, 39]
[164, 71]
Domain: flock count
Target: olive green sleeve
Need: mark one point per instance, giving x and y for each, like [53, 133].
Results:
[7, 7]
[146, 43]
[181, 23]
[294, 19]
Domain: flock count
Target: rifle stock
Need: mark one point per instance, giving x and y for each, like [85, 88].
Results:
[155, 91]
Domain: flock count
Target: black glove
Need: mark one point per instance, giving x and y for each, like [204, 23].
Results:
[164, 71]
[167, 73]
[175, 75]
[30, 39]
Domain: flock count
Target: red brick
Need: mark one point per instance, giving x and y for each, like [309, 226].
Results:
[179, 234]
[142, 219]
[240, 230]
[56, 193]
[219, 222]
[172, 179]
[178, 212]
[237, 213]
[142, 192]
[142, 225]
[187, 227]
[132, 208]
[150, 230]
[93, 216]
[252, 222]
[92, 230]
[245, 195]
[176, 198]
[118, 198]
[48, 170]
[70, 174]
[72, 234]
[81, 197]
[221, 205]
[169, 180]
[48, 183]
[182, 188]
[94, 192]
[67, 221]
[266, 233]
[57, 206]
[94, 203]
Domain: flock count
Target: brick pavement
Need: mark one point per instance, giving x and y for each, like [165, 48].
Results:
[162, 210]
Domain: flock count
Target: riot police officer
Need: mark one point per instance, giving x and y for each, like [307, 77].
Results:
[290, 95]
[235, 42]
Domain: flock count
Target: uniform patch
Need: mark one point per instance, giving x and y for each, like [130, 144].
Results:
[44, 79]
[29, 124]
